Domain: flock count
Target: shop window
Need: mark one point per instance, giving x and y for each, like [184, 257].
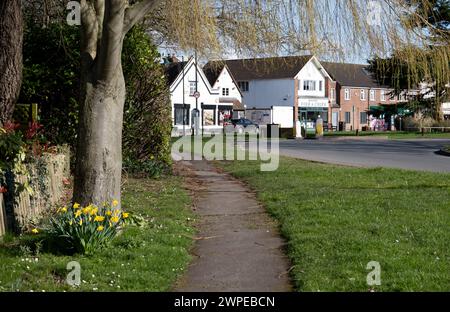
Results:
[209, 116]
[225, 115]
[179, 115]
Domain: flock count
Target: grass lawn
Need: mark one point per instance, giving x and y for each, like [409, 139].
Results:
[147, 258]
[337, 219]
[392, 135]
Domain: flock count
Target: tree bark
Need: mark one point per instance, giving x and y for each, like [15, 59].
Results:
[99, 151]
[11, 58]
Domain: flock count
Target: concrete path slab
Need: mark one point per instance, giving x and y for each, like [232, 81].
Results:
[239, 248]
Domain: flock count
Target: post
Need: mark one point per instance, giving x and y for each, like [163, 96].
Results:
[196, 98]
[184, 101]
[2, 216]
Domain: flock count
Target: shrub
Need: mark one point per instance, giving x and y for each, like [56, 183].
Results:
[85, 229]
[147, 118]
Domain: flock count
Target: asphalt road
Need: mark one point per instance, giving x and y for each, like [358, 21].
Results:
[404, 154]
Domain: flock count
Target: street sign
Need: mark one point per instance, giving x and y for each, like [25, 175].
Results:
[196, 94]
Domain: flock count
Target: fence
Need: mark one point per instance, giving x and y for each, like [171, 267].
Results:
[45, 178]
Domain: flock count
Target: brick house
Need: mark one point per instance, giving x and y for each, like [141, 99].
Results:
[355, 96]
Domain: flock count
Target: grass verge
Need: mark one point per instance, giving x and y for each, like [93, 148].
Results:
[337, 219]
[392, 135]
[146, 258]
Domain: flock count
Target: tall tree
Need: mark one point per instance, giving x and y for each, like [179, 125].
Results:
[11, 40]
[214, 27]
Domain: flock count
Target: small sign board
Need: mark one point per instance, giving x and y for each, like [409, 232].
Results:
[196, 94]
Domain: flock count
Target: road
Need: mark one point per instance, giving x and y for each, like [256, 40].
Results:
[404, 154]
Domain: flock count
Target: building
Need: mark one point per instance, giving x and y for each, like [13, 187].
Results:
[284, 90]
[192, 93]
[281, 90]
[356, 96]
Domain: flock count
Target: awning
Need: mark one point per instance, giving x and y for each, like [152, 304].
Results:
[376, 108]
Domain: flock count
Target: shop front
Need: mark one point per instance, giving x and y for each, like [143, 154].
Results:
[311, 109]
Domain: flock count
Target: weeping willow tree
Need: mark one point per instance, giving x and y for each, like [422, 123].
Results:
[216, 29]
[424, 61]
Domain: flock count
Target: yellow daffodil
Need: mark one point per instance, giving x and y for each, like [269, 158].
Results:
[63, 209]
[115, 219]
[70, 222]
[99, 219]
[94, 211]
[78, 213]
[100, 228]
[35, 231]
[115, 203]
[108, 213]
[87, 210]
[76, 206]
[125, 215]
[81, 222]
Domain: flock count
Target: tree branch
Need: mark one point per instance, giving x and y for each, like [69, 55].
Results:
[137, 12]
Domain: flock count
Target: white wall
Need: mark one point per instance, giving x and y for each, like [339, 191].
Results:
[270, 92]
[226, 81]
[311, 72]
[284, 116]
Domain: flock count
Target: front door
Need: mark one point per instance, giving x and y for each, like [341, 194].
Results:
[335, 119]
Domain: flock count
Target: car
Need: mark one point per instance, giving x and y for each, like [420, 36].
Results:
[244, 125]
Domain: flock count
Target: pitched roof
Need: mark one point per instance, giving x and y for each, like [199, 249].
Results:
[351, 75]
[173, 70]
[212, 72]
[261, 68]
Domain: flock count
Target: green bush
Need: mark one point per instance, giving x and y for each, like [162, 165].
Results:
[147, 119]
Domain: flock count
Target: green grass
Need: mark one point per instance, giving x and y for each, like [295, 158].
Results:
[148, 258]
[392, 135]
[337, 219]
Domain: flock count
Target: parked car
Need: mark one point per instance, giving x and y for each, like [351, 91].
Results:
[244, 125]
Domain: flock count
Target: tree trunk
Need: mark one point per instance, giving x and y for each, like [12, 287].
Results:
[11, 42]
[99, 152]
[104, 25]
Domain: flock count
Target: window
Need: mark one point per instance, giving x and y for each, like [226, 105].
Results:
[363, 94]
[347, 117]
[179, 114]
[372, 95]
[347, 94]
[333, 93]
[225, 115]
[309, 85]
[192, 87]
[243, 85]
[209, 115]
[320, 85]
[363, 117]
[225, 91]
[383, 95]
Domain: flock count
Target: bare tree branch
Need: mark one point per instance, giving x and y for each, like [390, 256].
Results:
[137, 12]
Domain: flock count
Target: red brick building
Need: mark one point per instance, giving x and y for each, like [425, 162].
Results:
[355, 96]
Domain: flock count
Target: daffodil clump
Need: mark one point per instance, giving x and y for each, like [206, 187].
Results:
[86, 229]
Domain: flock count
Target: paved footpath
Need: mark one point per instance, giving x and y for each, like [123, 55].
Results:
[238, 247]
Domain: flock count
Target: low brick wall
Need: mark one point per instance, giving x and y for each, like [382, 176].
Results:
[46, 188]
